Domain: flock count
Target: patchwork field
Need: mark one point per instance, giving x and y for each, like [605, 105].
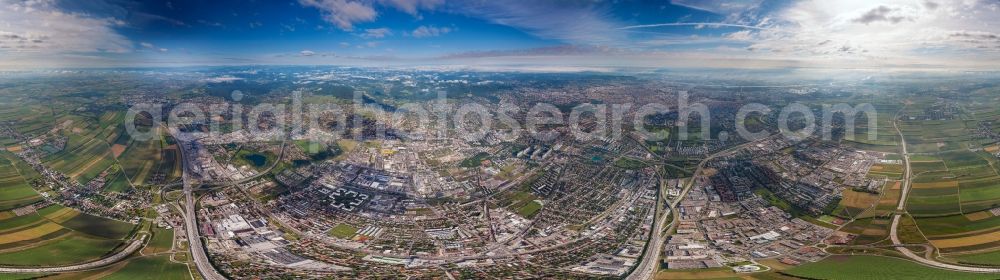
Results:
[886, 139]
[966, 241]
[56, 235]
[144, 160]
[979, 194]
[869, 230]
[949, 195]
[889, 171]
[854, 203]
[956, 225]
[88, 150]
[968, 183]
[15, 190]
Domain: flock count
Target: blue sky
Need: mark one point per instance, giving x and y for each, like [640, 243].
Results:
[556, 35]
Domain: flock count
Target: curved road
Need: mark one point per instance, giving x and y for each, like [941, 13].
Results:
[135, 245]
[198, 252]
[901, 208]
[646, 269]
[199, 256]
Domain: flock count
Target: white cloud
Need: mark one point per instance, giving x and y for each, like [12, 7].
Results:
[148, 45]
[376, 33]
[38, 26]
[307, 53]
[429, 31]
[879, 32]
[882, 13]
[743, 35]
[346, 13]
[722, 7]
[343, 13]
[696, 25]
[223, 79]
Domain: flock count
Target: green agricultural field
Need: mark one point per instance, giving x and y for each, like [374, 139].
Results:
[954, 224]
[961, 159]
[83, 163]
[933, 204]
[869, 230]
[922, 148]
[980, 194]
[39, 239]
[98, 226]
[974, 172]
[874, 268]
[891, 171]
[18, 191]
[142, 159]
[343, 231]
[989, 258]
[918, 167]
[16, 222]
[88, 151]
[17, 276]
[162, 241]
[117, 182]
[50, 209]
[923, 158]
[908, 231]
[68, 250]
[151, 268]
[934, 194]
[14, 188]
[169, 166]
[881, 147]
[853, 204]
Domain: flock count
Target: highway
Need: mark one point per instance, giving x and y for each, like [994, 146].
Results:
[649, 263]
[198, 253]
[200, 257]
[901, 208]
[132, 247]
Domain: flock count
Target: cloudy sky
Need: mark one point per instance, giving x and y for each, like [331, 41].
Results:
[562, 34]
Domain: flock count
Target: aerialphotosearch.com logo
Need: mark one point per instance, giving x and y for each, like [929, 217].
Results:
[471, 121]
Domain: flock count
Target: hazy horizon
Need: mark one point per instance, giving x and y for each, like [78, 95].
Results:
[560, 35]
